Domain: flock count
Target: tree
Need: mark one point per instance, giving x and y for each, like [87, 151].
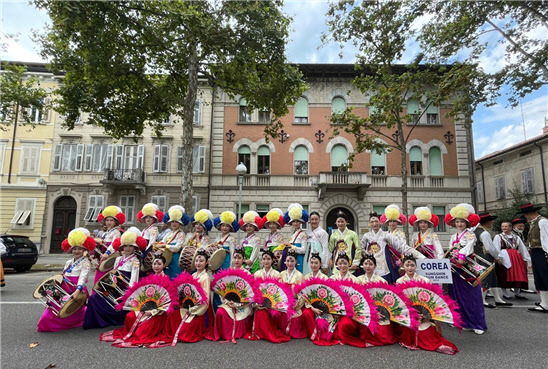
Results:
[130, 63]
[457, 26]
[21, 95]
[381, 32]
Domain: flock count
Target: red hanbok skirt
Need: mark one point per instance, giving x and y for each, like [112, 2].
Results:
[295, 327]
[429, 339]
[265, 328]
[228, 329]
[136, 334]
[347, 332]
[384, 335]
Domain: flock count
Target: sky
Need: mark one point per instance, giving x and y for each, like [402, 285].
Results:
[495, 128]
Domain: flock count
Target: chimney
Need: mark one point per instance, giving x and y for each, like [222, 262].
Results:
[545, 129]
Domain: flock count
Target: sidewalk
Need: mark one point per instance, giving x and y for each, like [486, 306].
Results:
[50, 262]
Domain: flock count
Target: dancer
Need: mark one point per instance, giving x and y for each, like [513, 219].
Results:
[426, 241]
[274, 220]
[318, 240]
[251, 223]
[174, 240]
[112, 217]
[226, 223]
[295, 216]
[350, 245]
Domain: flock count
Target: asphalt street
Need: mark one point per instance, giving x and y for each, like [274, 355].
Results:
[515, 338]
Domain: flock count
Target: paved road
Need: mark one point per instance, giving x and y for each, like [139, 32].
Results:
[515, 338]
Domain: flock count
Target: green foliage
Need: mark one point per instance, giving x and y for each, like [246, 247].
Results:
[19, 94]
[511, 211]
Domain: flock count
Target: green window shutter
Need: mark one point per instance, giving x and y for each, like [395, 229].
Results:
[415, 154]
[377, 160]
[244, 150]
[412, 106]
[379, 209]
[439, 211]
[301, 153]
[338, 105]
[263, 151]
[434, 156]
[301, 107]
[339, 155]
[432, 109]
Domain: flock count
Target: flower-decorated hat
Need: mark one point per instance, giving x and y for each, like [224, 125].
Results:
[251, 217]
[79, 237]
[463, 211]
[176, 213]
[112, 212]
[393, 212]
[274, 216]
[204, 217]
[131, 237]
[150, 210]
[424, 213]
[295, 212]
[228, 218]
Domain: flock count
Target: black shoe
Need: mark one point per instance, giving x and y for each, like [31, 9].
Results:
[490, 306]
[506, 304]
[528, 291]
[537, 303]
[518, 297]
[538, 309]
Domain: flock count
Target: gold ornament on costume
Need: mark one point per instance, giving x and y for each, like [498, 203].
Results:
[343, 246]
[374, 247]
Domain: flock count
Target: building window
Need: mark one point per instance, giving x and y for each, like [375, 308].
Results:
[72, 157]
[180, 162]
[434, 158]
[263, 160]
[24, 213]
[339, 158]
[133, 157]
[245, 115]
[161, 156]
[432, 114]
[165, 120]
[440, 212]
[161, 201]
[198, 159]
[262, 209]
[378, 163]
[30, 159]
[244, 156]
[479, 190]
[305, 225]
[415, 161]
[36, 115]
[528, 181]
[2, 156]
[338, 105]
[413, 109]
[500, 188]
[245, 208]
[264, 116]
[301, 111]
[300, 160]
[197, 120]
[127, 204]
[98, 157]
[95, 206]
[195, 203]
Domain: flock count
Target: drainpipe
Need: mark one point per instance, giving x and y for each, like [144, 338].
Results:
[483, 189]
[543, 172]
[210, 146]
[471, 166]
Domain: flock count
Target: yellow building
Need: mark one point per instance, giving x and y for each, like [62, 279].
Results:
[23, 194]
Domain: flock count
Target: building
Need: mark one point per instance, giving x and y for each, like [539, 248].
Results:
[304, 164]
[25, 153]
[522, 167]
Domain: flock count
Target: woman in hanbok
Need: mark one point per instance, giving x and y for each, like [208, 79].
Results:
[293, 326]
[426, 241]
[202, 222]
[75, 273]
[251, 222]
[174, 240]
[318, 241]
[112, 217]
[150, 215]
[345, 240]
[295, 216]
[227, 224]
[274, 220]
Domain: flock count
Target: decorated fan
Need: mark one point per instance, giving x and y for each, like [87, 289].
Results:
[324, 294]
[275, 295]
[153, 292]
[392, 303]
[235, 285]
[365, 310]
[430, 302]
[190, 291]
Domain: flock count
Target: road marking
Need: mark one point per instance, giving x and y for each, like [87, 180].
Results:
[19, 302]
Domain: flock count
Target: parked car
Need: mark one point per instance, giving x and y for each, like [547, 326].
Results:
[21, 253]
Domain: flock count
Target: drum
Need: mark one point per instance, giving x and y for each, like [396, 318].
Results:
[474, 269]
[53, 296]
[112, 287]
[187, 255]
[216, 256]
[108, 264]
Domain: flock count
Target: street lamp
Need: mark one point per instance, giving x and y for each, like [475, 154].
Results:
[241, 169]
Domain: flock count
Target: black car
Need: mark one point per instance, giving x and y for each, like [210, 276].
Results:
[21, 253]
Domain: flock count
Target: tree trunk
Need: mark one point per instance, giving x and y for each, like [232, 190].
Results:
[401, 142]
[188, 133]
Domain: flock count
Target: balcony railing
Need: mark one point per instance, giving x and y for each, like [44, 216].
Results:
[343, 178]
[124, 176]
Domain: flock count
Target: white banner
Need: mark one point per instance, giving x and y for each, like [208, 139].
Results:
[437, 270]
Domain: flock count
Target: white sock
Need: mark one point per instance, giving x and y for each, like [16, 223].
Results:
[496, 294]
[544, 299]
[505, 292]
[483, 294]
[517, 292]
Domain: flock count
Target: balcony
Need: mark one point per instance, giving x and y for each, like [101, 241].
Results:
[343, 181]
[125, 178]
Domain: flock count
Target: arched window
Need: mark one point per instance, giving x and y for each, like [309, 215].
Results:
[432, 114]
[378, 163]
[244, 156]
[413, 109]
[301, 110]
[415, 161]
[434, 158]
[300, 160]
[338, 105]
[339, 158]
[263, 160]
[245, 115]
